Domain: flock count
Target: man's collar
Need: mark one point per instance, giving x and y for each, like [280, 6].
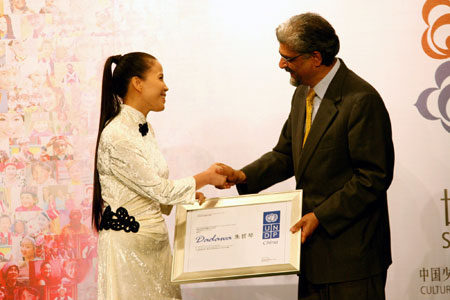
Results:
[321, 87]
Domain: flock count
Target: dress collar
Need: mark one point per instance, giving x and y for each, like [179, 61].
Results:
[132, 113]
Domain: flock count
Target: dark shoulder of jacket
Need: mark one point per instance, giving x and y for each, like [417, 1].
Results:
[300, 90]
[355, 84]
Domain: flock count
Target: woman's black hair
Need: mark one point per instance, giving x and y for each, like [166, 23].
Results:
[114, 88]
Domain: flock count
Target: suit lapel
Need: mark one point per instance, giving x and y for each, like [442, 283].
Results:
[325, 116]
[300, 123]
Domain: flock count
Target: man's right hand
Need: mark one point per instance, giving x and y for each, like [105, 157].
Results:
[233, 176]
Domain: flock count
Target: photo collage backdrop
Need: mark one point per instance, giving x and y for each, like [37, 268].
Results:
[50, 56]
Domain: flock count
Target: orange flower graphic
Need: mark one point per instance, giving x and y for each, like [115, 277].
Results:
[429, 44]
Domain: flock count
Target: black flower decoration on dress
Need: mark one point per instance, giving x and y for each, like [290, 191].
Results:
[119, 220]
[143, 128]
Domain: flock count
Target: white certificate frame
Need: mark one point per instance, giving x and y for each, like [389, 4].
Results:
[292, 266]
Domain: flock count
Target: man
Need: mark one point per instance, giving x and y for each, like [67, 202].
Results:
[341, 153]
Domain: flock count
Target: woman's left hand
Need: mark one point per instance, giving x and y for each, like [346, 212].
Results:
[200, 197]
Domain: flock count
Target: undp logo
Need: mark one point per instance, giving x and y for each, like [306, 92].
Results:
[432, 102]
[271, 225]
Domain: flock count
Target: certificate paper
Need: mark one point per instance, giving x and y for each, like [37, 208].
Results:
[237, 237]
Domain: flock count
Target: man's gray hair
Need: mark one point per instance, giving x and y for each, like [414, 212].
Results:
[307, 33]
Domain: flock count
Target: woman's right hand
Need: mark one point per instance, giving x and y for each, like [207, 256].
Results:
[210, 176]
[215, 178]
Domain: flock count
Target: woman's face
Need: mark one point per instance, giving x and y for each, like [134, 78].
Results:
[10, 171]
[11, 124]
[49, 100]
[19, 227]
[27, 249]
[38, 77]
[27, 200]
[59, 147]
[18, 48]
[16, 124]
[8, 79]
[40, 174]
[154, 88]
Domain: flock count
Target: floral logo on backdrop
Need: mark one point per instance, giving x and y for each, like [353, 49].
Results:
[433, 102]
[423, 103]
[430, 36]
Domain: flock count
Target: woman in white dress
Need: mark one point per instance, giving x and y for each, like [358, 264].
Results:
[131, 183]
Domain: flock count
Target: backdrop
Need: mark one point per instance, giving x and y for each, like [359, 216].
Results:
[227, 102]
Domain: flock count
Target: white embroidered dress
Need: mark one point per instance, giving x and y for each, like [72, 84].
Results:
[134, 175]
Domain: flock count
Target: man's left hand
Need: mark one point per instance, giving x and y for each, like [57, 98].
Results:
[308, 223]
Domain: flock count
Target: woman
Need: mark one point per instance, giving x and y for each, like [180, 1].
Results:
[131, 183]
[19, 229]
[28, 248]
[28, 200]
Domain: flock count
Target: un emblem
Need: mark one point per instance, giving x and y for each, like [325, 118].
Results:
[271, 218]
[271, 225]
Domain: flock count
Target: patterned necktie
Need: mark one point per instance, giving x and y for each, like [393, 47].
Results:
[309, 110]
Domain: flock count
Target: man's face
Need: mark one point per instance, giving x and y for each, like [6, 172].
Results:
[75, 217]
[12, 273]
[299, 66]
[47, 270]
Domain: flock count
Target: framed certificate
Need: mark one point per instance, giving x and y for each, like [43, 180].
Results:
[237, 237]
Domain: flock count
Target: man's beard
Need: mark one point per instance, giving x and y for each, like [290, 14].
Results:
[293, 80]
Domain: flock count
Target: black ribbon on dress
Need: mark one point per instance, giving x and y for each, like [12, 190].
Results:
[119, 220]
[143, 128]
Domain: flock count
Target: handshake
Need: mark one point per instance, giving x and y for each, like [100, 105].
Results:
[224, 177]
[219, 175]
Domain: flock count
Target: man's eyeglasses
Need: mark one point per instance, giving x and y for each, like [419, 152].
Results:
[290, 59]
